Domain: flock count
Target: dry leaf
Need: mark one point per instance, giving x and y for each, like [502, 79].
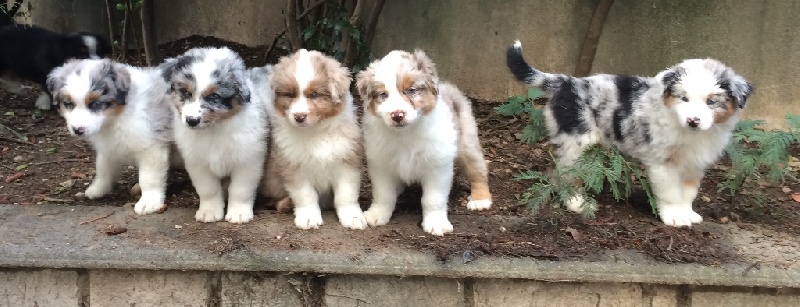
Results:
[786, 190]
[796, 197]
[575, 233]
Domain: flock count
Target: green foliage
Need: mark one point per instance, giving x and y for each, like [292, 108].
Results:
[600, 169]
[536, 129]
[758, 154]
[327, 35]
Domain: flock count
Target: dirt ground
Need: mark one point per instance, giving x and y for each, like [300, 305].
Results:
[51, 167]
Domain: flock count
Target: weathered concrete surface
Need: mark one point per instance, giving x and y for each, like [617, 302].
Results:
[52, 236]
[748, 297]
[148, 288]
[260, 289]
[467, 38]
[390, 291]
[41, 288]
[493, 292]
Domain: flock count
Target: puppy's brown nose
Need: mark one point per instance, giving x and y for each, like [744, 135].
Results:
[398, 116]
[300, 117]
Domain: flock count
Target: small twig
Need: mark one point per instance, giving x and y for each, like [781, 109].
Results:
[17, 176]
[273, 45]
[20, 138]
[57, 200]
[97, 218]
[13, 140]
[311, 8]
[669, 248]
[291, 25]
[756, 265]
[59, 161]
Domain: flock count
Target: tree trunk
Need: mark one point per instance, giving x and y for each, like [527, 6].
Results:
[349, 46]
[372, 23]
[123, 45]
[291, 25]
[110, 13]
[136, 38]
[148, 34]
[589, 48]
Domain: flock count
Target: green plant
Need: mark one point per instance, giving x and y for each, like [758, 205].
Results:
[331, 34]
[524, 105]
[599, 169]
[756, 155]
[15, 9]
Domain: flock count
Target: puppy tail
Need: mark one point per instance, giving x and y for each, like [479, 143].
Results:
[529, 75]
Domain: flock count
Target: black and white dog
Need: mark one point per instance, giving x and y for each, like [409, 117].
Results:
[29, 52]
[677, 123]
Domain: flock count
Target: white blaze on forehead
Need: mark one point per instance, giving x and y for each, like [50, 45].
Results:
[202, 72]
[698, 81]
[91, 45]
[304, 70]
[79, 85]
[386, 71]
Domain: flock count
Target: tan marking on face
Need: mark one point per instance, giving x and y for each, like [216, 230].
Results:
[723, 114]
[215, 116]
[325, 94]
[177, 98]
[322, 106]
[670, 101]
[424, 99]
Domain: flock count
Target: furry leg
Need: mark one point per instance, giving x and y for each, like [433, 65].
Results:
[107, 170]
[209, 189]
[435, 188]
[153, 168]
[669, 193]
[43, 102]
[570, 148]
[472, 163]
[307, 214]
[385, 189]
[242, 193]
[345, 198]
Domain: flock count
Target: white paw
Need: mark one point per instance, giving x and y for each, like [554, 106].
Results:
[96, 190]
[149, 204]
[575, 203]
[43, 102]
[206, 215]
[436, 223]
[352, 217]
[480, 204]
[239, 214]
[678, 215]
[307, 218]
[377, 216]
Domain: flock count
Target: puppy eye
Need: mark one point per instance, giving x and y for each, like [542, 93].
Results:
[383, 95]
[285, 94]
[711, 102]
[213, 97]
[685, 99]
[315, 95]
[411, 91]
[68, 104]
[184, 93]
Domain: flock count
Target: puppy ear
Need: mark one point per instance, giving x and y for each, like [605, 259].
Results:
[426, 65]
[340, 79]
[670, 78]
[242, 89]
[364, 82]
[741, 89]
[54, 83]
[121, 82]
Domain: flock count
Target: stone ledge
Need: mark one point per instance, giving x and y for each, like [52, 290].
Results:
[36, 237]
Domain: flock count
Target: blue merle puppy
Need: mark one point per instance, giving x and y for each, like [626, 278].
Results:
[677, 123]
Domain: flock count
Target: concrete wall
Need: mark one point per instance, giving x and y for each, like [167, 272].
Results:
[466, 38]
[65, 288]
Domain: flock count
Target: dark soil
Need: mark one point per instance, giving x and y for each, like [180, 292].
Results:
[51, 167]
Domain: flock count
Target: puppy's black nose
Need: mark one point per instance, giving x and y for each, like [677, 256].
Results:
[300, 117]
[693, 122]
[398, 116]
[79, 130]
[192, 121]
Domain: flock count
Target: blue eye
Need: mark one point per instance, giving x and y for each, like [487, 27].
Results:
[411, 91]
[711, 102]
[685, 99]
[315, 95]
[213, 97]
